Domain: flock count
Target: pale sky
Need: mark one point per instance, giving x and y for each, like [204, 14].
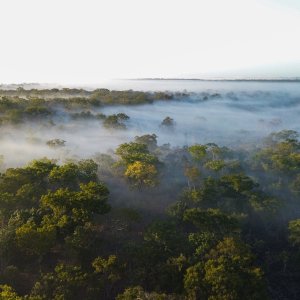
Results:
[86, 41]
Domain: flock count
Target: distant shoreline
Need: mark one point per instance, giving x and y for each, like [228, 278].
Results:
[216, 79]
[88, 86]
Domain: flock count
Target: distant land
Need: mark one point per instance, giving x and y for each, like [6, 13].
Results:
[292, 79]
[36, 85]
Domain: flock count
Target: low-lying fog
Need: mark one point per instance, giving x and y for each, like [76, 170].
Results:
[291, 87]
[234, 115]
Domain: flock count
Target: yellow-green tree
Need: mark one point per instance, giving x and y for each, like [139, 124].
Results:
[7, 293]
[231, 275]
[193, 174]
[141, 174]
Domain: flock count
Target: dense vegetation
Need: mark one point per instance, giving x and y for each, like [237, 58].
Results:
[150, 221]
[21, 105]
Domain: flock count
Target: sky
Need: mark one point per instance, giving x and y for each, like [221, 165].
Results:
[86, 41]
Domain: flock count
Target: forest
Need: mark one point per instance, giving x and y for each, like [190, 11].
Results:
[93, 207]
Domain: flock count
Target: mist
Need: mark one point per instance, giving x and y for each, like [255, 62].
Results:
[232, 114]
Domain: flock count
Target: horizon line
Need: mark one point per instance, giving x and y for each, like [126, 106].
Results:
[220, 79]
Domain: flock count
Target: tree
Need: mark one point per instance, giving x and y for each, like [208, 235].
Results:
[167, 122]
[198, 151]
[66, 282]
[2, 164]
[7, 205]
[193, 282]
[137, 292]
[72, 174]
[34, 240]
[294, 232]
[41, 167]
[230, 273]
[232, 192]
[108, 273]
[68, 209]
[7, 293]
[132, 152]
[35, 111]
[122, 116]
[238, 182]
[66, 175]
[56, 143]
[87, 170]
[148, 139]
[282, 136]
[140, 164]
[282, 153]
[215, 165]
[295, 185]
[116, 121]
[193, 175]
[211, 220]
[141, 174]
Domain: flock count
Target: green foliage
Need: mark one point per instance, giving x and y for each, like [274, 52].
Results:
[229, 273]
[261, 202]
[107, 268]
[197, 151]
[193, 174]
[35, 240]
[71, 174]
[295, 185]
[282, 153]
[142, 174]
[193, 283]
[294, 232]
[121, 97]
[283, 136]
[238, 182]
[66, 282]
[140, 164]
[137, 292]
[211, 220]
[116, 121]
[68, 208]
[87, 115]
[37, 111]
[215, 165]
[60, 239]
[7, 293]
[41, 219]
[148, 139]
[165, 236]
[231, 193]
[132, 152]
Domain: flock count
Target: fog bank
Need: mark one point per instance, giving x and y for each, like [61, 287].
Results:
[235, 114]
